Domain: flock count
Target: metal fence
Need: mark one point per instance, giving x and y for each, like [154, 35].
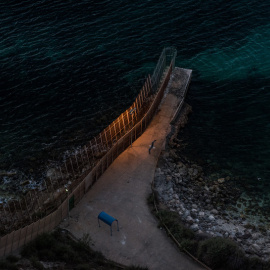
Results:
[65, 187]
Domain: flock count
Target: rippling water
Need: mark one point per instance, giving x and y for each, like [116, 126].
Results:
[70, 67]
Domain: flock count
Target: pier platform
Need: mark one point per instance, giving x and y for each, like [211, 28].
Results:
[123, 191]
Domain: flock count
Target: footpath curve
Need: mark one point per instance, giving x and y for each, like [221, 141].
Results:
[122, 192]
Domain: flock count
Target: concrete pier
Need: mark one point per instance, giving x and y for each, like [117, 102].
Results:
[122, 192]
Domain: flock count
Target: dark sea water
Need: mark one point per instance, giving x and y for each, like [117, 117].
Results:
[68, 68]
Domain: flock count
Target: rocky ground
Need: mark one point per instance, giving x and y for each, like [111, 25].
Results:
[213, 207]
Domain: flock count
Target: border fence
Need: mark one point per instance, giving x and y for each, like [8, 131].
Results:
[41, 211]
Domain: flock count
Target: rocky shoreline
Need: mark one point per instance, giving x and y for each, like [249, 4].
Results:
[205, 205]
[31, 175]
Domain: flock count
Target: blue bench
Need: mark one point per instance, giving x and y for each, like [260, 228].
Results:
[107, 219]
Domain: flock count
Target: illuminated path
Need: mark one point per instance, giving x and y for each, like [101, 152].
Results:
[122, 192]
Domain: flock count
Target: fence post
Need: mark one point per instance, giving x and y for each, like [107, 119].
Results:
[16, 211]
[49, 193]
[87, 155]
[140, 100]
[136, 105]
[101, 141]
[51, 185]
[82, 158]
[124, 127]
[56, 177]
[12, 241]
[105, 132]
[72, 167]
[111, 140]
[91, 147]
[66, 167]
[127, 120]
[144, 92]
[25, 235]
[147, 88]
[115, 132]
[31, 234]
[19, 238]
[5, 213]
[149, 84]
[5, 245]
[10, 213]
[78, 167]
[37, 200]
[97, 144]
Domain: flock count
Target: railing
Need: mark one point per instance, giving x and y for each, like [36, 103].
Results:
[85, 166]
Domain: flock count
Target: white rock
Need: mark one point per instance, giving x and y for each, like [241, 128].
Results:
[189, 219]
[53, 174]
[194, 227]
[256, 235]
[182, 207]
[266, 251]
[214, 211]
[260, 241]
[201, 214]
[177, 202]
[256, 248]
[221, 180]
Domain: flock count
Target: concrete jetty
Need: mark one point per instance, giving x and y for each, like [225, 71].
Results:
[122, 192]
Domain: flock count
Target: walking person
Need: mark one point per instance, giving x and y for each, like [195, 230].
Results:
[151, 146]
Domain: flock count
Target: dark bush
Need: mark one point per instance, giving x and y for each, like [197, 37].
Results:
[173, 222]
[12, 258]
[45, 240]
[151, 199]
[47, 254]
[36, 263]
[58, 246]
[254, 263]
[189, 245]
[217, 252]
[29, 250]
[83, 267]
[42, 242]
[6, 265]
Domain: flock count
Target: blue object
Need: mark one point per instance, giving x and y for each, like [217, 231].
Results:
[107, 219]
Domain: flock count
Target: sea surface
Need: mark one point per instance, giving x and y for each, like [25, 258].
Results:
[68, 68]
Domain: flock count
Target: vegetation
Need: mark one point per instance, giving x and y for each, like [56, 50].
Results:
[215, 252]
[58, 247]
[218, 252]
